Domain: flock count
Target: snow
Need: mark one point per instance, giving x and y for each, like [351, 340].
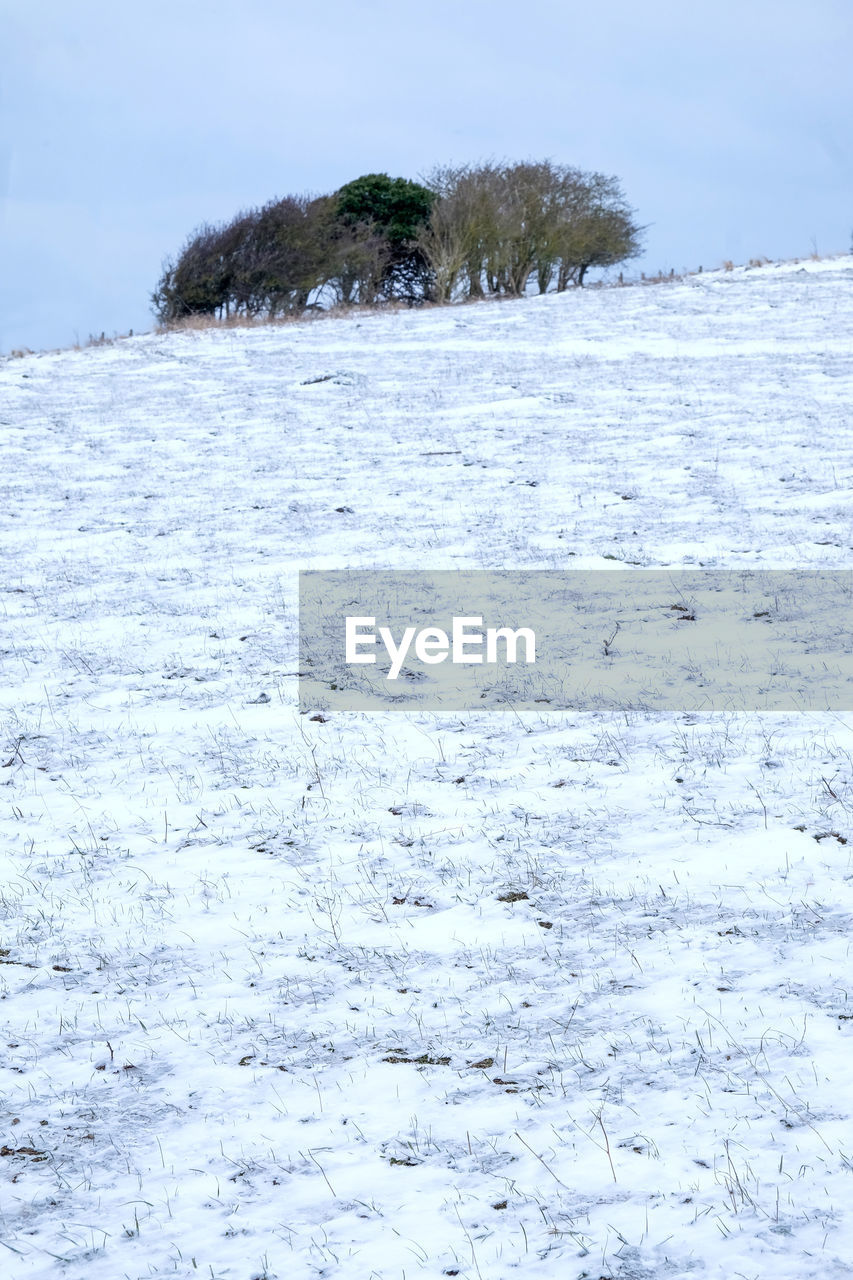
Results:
[496, 994]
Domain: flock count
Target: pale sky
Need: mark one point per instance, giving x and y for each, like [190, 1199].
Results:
[125, 126]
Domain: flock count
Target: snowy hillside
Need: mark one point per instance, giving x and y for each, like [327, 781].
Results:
[495, 995]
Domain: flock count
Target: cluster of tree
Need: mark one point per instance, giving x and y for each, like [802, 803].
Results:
[465, 231]
[493, 227]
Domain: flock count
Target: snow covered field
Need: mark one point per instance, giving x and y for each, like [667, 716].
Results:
[491, 995]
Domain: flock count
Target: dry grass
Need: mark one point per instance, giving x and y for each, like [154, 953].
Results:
[664, 277]
[188, 324]
[101, 340]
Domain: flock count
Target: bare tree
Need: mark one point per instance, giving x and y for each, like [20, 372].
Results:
[282, 258]
[596, 230]
[462, 235]
[448, 240]
[494, 225]
[196, 282]
[528, 205]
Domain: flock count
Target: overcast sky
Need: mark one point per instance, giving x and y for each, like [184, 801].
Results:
[125, 126]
